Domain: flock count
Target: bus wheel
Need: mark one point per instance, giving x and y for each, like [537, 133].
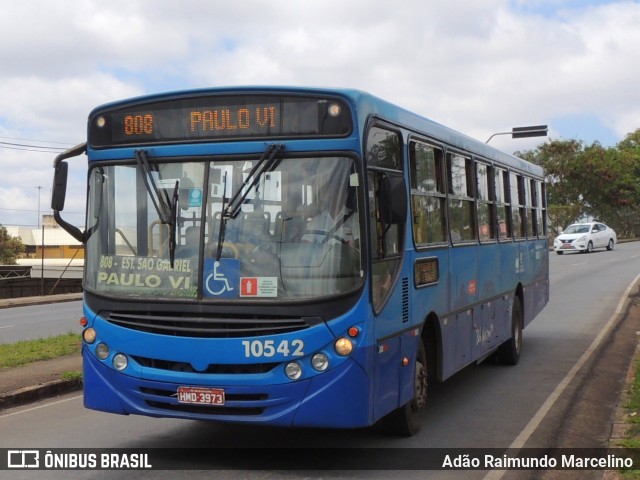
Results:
[509, 351]
[407, 420]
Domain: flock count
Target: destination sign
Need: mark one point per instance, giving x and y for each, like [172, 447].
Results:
[219, 118]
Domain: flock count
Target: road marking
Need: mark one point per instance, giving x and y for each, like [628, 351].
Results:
[8, 326]
[535, 421]
[39, 407]
[576, 264]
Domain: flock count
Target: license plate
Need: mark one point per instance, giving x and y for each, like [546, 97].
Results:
[201, 395]
[566, 246]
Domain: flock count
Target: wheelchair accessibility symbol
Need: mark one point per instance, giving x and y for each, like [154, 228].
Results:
[221, 278]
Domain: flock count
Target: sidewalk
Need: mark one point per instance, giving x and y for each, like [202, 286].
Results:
[43, 379]
[39, 380]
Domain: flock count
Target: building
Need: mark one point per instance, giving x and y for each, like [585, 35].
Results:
[49, 248]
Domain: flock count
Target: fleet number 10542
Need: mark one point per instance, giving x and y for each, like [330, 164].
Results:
[269, 348]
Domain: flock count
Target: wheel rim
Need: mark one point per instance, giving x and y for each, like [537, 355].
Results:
[517, 337]
[420, 397]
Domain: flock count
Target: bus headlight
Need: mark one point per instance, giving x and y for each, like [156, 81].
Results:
[89, 335]
[320, 362]
[334, 109]
[102, 351]
[343, 346]
[293, 370]
[120, 361]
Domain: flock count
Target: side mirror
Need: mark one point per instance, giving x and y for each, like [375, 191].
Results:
[59, 189]
[393, 199]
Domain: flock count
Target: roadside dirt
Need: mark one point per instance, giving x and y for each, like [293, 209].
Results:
[586, 416]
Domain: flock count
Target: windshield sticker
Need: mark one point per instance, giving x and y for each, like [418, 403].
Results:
[167, 183]
[146, 276]
[259, 287]
[221, 278]
[195, 197]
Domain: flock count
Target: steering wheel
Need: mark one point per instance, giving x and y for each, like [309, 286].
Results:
[231, 246]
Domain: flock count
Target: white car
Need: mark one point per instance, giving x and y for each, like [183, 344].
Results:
[584, 237]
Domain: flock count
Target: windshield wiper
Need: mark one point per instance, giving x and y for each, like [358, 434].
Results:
[165, 206]
[162, 205]
[267, 163]
[173, 223]
[223, 224]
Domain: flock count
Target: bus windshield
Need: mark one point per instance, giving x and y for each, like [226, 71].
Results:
[225, 229]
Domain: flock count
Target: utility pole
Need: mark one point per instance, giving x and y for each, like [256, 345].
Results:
[39, 187]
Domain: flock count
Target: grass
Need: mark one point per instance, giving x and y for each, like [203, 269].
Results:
[29, 351]
[632, 408]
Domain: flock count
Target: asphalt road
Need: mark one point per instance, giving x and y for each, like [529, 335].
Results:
[487, 405]
[31, 322]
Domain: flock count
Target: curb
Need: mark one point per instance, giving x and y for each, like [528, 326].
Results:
[32, 393]
[24, 301]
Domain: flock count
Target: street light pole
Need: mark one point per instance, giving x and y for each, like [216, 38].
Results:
[41, 246]
[524, 132]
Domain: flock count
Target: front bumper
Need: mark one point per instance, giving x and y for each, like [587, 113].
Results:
[339, 398]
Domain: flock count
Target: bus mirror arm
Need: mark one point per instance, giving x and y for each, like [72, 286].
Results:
[393, 199]
[59, 189]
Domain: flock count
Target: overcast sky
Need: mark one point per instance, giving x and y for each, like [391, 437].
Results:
[479, 66]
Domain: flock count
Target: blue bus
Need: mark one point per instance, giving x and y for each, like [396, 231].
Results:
[297, 257]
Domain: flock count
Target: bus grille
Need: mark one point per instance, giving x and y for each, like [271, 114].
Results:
[221, 369]
[178, 325]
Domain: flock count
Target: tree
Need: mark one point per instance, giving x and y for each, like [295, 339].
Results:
[10, 247]
[592, 180]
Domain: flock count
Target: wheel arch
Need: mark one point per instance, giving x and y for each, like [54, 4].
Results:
[432, 339]
[519, 294]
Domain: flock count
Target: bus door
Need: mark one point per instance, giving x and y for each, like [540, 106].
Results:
[395, 340]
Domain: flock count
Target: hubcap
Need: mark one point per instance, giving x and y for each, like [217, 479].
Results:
[420, 399]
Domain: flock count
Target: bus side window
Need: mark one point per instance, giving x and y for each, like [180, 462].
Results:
[486, 207]
[502, 204]
[541, 209]
[461, 199]
[517, 205]
[427, 194]
[532, 227]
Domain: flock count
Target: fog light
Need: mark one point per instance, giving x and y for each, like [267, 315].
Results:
[102, 351]
[293, 370]
[89, 335]
[343, 346]
[320, 362]
[120, 361]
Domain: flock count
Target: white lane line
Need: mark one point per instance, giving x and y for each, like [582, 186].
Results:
[535, 421]
[8, 326]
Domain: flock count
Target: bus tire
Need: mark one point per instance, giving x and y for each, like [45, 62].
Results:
[509, 351]
[407, 419]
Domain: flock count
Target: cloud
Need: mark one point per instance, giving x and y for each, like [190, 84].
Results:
[479, 67]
